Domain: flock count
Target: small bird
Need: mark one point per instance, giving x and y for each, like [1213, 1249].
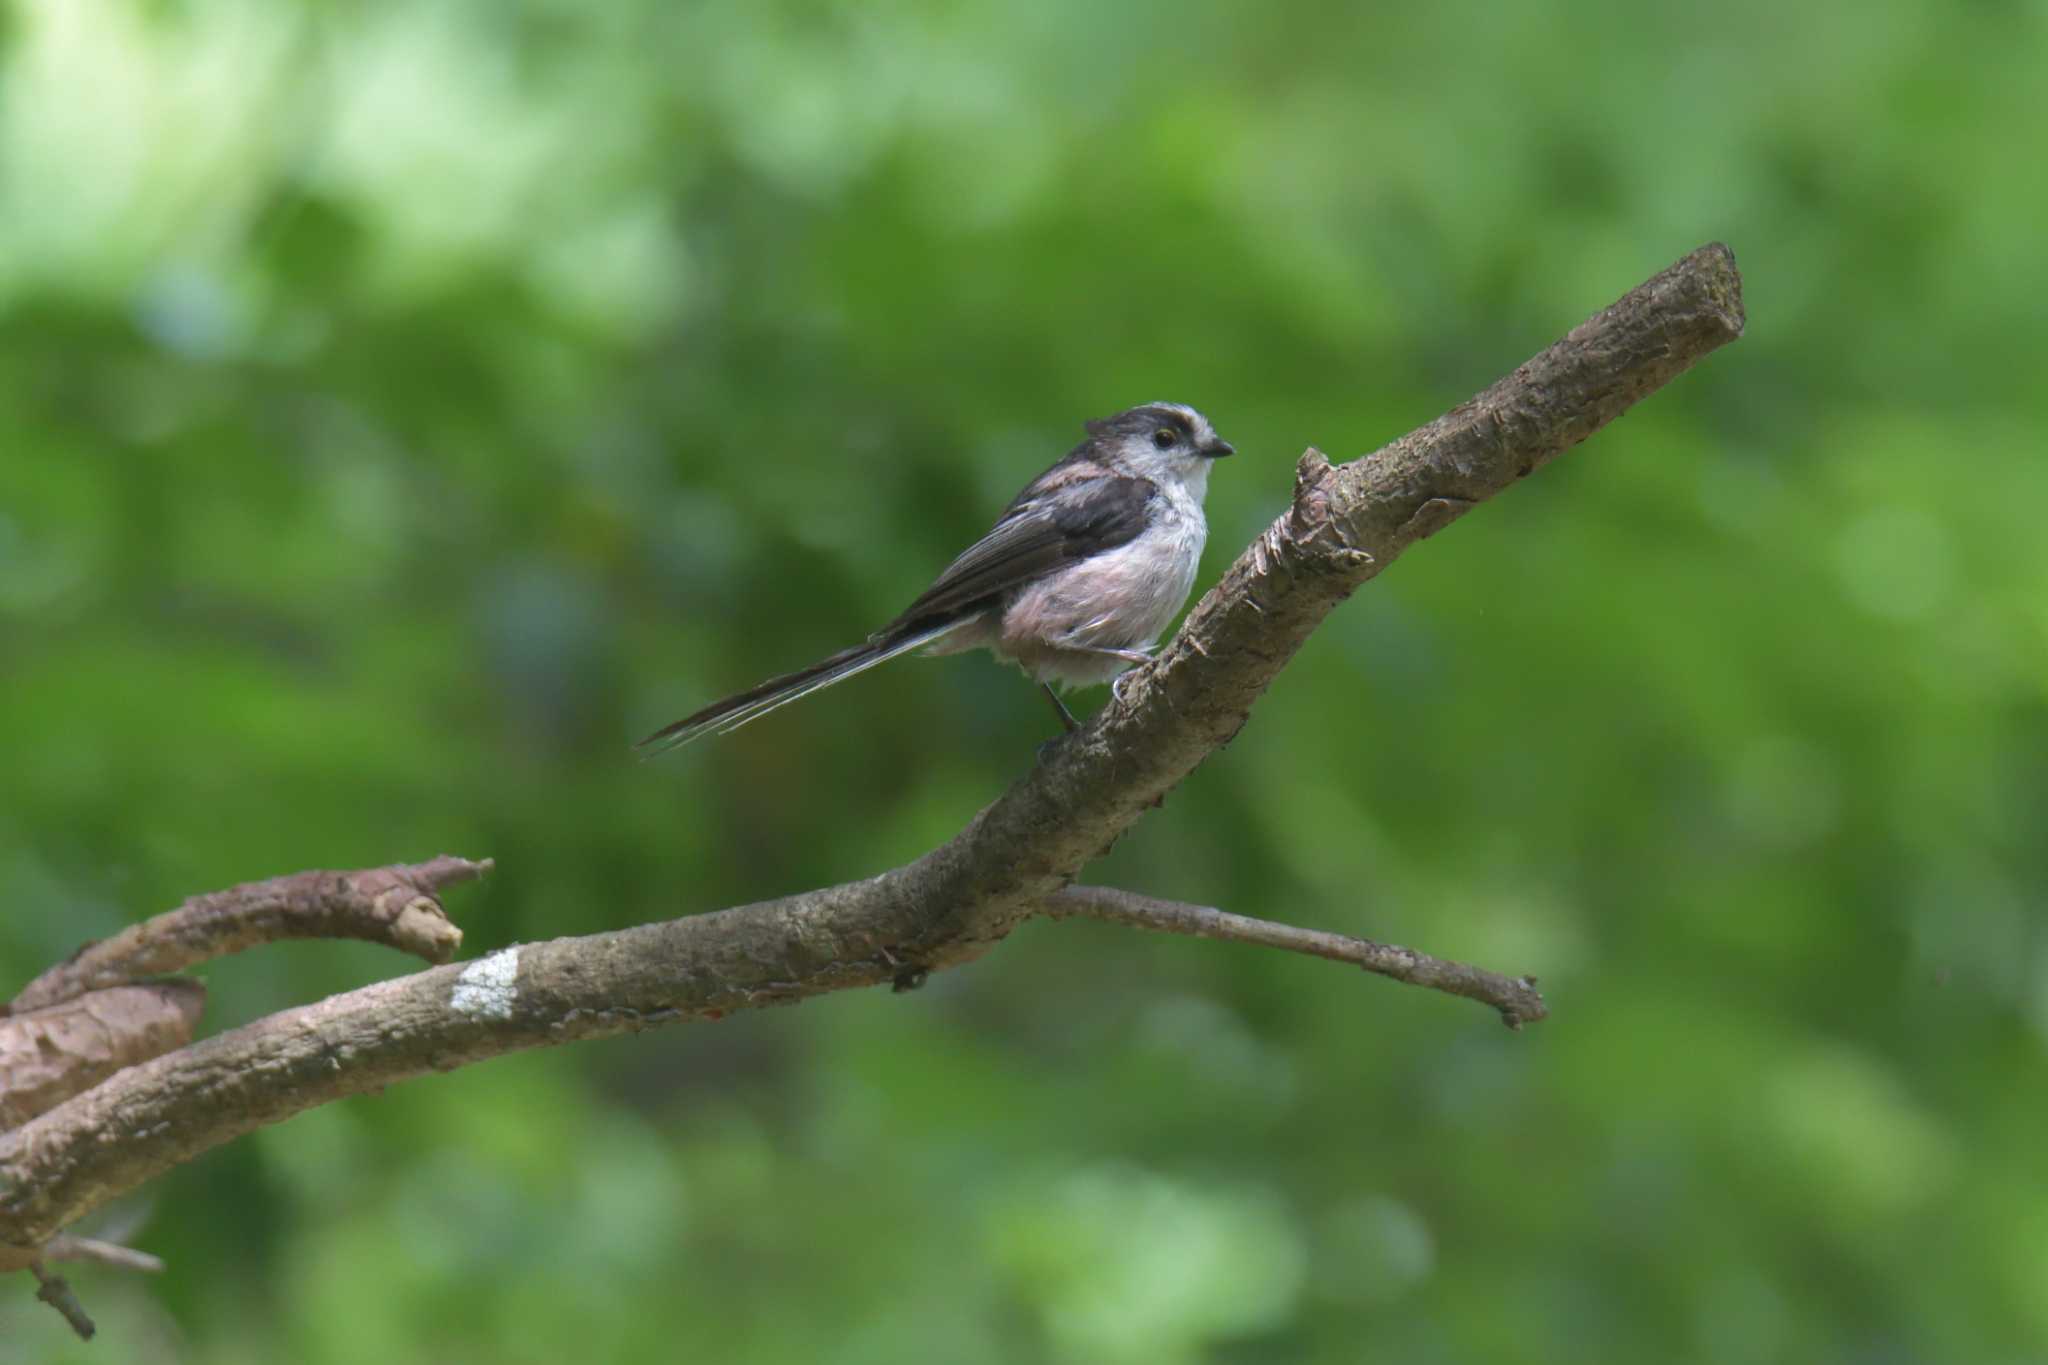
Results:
[1073, 584]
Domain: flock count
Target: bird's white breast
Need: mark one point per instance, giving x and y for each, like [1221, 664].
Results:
[1119, 599]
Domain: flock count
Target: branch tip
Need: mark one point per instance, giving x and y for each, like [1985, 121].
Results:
[1722, 281]
[55, 1290]
[67, 1248]
[395, 906]
[448, 870]
[1515, 1001]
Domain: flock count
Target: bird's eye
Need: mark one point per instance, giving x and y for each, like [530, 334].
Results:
[1165, 437]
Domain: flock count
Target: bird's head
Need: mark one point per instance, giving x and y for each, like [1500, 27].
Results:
[1161, 441]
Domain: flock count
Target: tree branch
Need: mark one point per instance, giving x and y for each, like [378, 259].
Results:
[1346, 524]
[48, 1055]
[98, 1252]
[55, 1290]
[390, 905]
[1514, 997]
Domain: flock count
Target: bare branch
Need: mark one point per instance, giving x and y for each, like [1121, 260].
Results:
[1514, 997]
[66, 1248]
[50, 1054]
[1346, 524]
[390, 905]
[55, 1290]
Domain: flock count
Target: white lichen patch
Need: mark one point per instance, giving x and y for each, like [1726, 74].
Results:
[488, 987]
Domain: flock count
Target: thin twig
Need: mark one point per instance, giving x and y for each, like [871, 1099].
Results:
[55, 1290]
[1514, 997]
[394, 905]
[68, 1248]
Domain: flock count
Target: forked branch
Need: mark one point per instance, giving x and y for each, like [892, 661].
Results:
[1514, 996]
[1014, 860]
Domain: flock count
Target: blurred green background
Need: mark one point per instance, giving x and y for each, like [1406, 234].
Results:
[403, 407]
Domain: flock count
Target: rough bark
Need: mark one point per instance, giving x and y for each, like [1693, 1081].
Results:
[389, 905]
[48, 1055]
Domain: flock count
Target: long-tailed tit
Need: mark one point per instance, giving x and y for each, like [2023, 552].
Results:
[1073, 584]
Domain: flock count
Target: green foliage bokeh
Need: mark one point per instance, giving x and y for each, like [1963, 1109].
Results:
[405, 407]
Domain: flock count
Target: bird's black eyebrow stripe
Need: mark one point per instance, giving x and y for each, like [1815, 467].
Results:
[1143, 422]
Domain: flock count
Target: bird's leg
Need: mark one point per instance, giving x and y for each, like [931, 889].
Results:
[1130, 656]
[1066, 716]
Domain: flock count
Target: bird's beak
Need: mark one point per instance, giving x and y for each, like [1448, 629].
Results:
[1218, 449]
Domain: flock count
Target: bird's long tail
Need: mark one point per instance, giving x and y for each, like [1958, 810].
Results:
[755, 702]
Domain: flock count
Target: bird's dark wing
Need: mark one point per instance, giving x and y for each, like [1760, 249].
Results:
[1070, 512]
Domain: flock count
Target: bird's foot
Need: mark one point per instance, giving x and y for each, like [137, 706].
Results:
[1066, 717]
[1129, 656]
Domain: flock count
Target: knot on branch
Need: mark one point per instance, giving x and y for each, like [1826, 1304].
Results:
[403, 899]
[1312, 475]
[1314, 522]
[1312, 536]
